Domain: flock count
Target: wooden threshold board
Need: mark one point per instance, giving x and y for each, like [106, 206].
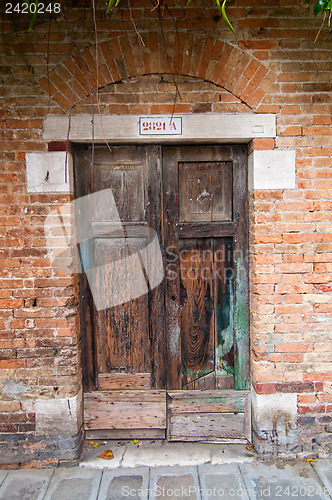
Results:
[212, 416]
[209, 416]
[118, 414]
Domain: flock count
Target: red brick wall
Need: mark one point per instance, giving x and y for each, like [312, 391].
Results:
[270, 65]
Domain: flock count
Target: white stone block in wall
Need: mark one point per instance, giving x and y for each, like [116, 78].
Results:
[274, 412]
[49, 172]
[59, 417]
[272, 169]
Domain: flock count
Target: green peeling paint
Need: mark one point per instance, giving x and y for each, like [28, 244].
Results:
[241, 326]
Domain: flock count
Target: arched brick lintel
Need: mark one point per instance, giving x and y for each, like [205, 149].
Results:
[124, 57]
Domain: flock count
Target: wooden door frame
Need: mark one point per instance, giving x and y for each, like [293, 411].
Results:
[238, 229]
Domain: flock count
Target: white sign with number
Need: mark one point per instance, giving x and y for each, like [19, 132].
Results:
[164, 125]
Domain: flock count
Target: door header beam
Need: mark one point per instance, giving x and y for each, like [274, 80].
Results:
[203, 128]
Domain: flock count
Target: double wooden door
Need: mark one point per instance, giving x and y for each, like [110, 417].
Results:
[175, 314]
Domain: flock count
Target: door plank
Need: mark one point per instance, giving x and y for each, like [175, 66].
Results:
[211, 381]
[206, 229]
[125, 410]
[211, 404]
[172, 288]
[111, 381]
[223, 306]
[83, 186]
[196, 427]
[206, 415]
[156, 297]
[125, 434]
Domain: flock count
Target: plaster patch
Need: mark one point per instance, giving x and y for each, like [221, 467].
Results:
[50, 172]
[272, 169]
[14, 389]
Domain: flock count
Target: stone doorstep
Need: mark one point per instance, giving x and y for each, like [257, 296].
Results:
[162, 453]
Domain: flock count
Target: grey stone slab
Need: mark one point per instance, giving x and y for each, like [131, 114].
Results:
[122, 484]
[174, 483]
[235, 453]
[281, 480]
[222, 482]
[26, 484]
[74, 484]
[323, 469]
[163, 453]
[3, 475]
[91, 458]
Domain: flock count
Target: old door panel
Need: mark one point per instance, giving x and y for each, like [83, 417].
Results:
[197, 315]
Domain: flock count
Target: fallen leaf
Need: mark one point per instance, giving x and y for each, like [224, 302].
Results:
[97, 444]
[106, 455]
[134, 441]
[249, 447]
[309, 460]
[90, 443]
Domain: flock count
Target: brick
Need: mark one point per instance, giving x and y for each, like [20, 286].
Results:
[292, 358]
[312, 409]
[268, 388]
[306, 399]
[297, 387]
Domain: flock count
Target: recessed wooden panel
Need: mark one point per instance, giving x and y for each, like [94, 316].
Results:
[198, 427]
[206, 415]
[196, 302]
[205, 191]
[223, 274]
[124, 328]
[127, 184]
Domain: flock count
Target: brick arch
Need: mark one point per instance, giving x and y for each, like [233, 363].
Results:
[124, 57]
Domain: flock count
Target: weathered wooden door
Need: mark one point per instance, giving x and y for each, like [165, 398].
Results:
[188, 332]
[123, 340]
[206, 292]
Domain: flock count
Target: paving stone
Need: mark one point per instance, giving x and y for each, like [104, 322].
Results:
[323, 469]
[3, 475]
[174, 483]
[124, 484]
[74, 484]
[275, 481]
[222, 482]
[162, 453]
[26, 484]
